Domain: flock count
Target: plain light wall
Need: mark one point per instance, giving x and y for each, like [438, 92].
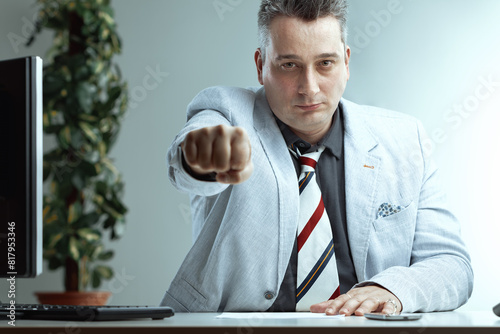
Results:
[434, 59]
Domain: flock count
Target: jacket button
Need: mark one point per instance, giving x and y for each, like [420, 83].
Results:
[269, 295]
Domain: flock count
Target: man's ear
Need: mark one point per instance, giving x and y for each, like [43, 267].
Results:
[259, 64]
[347, 59]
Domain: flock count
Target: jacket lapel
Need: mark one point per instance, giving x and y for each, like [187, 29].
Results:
[277, 153]
[362, 169]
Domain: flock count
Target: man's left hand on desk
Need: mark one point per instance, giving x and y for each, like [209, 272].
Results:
[359, 301]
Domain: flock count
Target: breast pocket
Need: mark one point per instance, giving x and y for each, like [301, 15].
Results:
[391, 240]
[404, 216]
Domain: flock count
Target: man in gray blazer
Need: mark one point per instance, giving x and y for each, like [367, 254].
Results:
[397, 246]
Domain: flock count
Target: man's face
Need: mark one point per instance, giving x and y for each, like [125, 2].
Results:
[305, 73]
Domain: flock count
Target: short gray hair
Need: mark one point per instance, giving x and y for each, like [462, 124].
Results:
[307, 10]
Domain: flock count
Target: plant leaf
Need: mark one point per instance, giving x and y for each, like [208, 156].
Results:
[106, 255]
[84, 94]
[54, 240]
[118, 229]
[104, 271]
[96, 279]
[74, 212]
[89, 132]
[73, 248]
[89, 234]
[65, 137]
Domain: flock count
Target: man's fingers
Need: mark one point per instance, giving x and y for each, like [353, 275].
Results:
[223, 149]
[221, 154]
[359, 301]
[235, 176]
[351, 305]
[390, 307]
[320, 307]
[189, 149]
[330, 307]
[240, 149]
[204, 155]
[369, 305]
[360, 304]
[197, 149]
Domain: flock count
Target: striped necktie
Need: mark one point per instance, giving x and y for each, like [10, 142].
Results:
[317, 276]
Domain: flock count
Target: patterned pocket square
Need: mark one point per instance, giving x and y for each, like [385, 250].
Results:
[387, 209]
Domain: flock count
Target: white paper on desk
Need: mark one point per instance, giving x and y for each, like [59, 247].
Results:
[277, 315]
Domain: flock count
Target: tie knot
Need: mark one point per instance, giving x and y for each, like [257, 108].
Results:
[308, 161]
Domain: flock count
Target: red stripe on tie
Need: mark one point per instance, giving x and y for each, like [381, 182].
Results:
[311, 224]
[336, 293]
[307, 161]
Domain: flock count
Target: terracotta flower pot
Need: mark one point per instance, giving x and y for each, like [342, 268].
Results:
[74, 298]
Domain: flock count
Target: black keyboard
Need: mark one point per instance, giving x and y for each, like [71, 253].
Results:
[85, 313]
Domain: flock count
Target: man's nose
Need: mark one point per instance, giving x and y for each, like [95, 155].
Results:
[309, 83]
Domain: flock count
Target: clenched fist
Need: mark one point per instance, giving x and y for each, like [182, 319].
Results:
[222, 149]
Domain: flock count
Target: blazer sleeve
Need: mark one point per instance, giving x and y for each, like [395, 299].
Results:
[440, 275]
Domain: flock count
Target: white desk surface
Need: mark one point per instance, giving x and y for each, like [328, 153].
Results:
[442, 322]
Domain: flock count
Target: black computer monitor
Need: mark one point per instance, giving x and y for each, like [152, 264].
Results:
[21, 158]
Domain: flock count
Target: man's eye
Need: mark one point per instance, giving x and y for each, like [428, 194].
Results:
[326, 63]
[288, 65]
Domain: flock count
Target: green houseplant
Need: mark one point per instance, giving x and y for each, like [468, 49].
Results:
[84, 103]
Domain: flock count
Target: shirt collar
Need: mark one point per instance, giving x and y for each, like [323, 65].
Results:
[333, 140]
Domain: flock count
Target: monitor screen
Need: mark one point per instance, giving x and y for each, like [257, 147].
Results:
[21, 158]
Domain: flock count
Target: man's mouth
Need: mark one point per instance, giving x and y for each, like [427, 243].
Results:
[309, 107]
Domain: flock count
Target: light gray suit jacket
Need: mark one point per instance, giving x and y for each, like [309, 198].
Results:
[244, 233]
